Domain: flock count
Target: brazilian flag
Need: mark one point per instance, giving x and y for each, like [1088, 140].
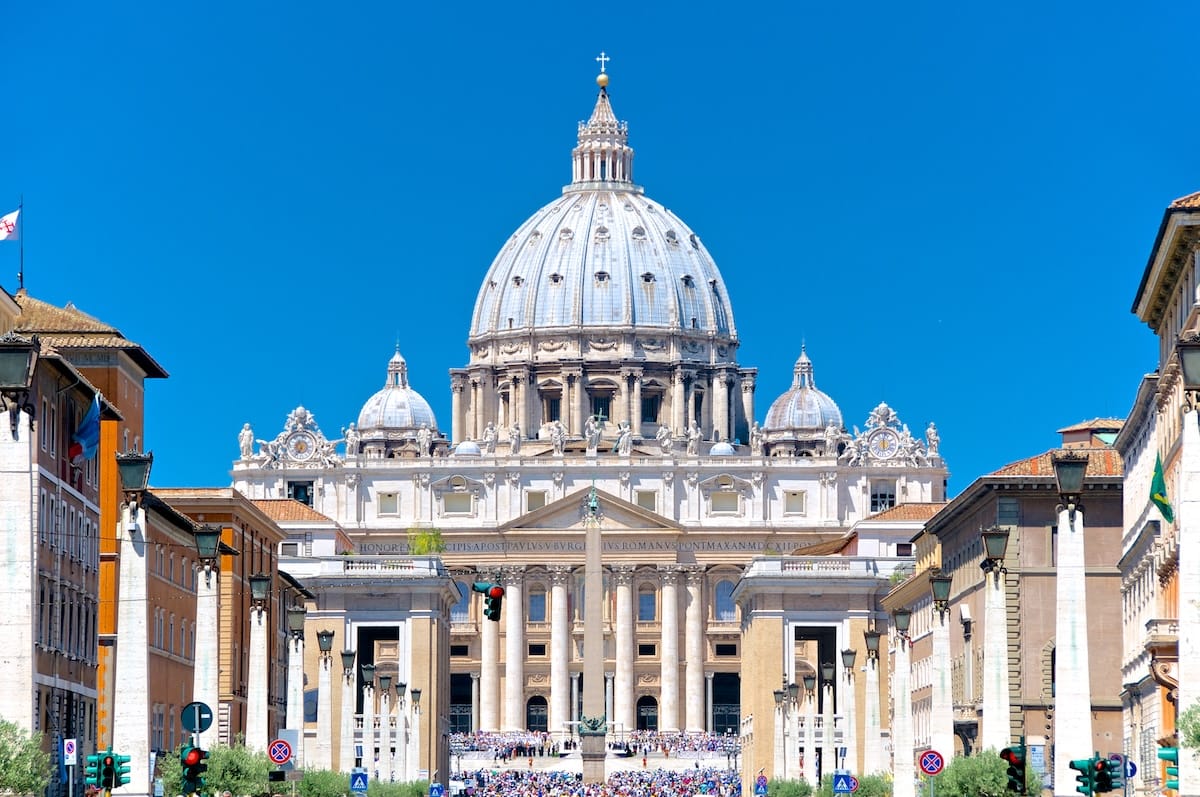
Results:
[1158, 492]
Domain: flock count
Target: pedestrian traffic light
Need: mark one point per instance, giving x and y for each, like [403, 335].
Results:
[1101, 781]
[191, 760]
[1171, 756]
[1015, 758]
[91, 772]
[108, 772]
[493, 595]
[1084, 779]
[122, 762]
[1116, 772]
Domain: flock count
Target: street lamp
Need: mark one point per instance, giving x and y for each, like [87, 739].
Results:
[1188, 348]
[827, 672]
[939, 586]
[995, 545]
[848, 657]
[902, 618]
[18, 359]
[400, 689]
[810, 684]
[871, 640]
[348, 662]
[416, 698]
[385, 683]
[208, 542]
[260, 588]
[325, 643]
[133, 468]
[1069, 469]
[295, 621]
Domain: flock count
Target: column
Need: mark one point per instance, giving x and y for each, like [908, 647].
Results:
[694, 650]
[624, 704]
[995, 733]
[489, 675]
[622, 404]
[369, 761]
[295, 693]
[636, 376]
[514, 650]
[258, 672]
[1072, 682]
[456, 410]
[720, 405]
[810, 737]
[850, 732]
[668, 710]
[323, 749]
[608, 695]
[678, 405]
[346, 742]
[1189, 591]
[941, 718]
[828, 743]
[575, 699]
[206, 687]
[560, 650]
[131, 709]
[873, 743]
[474, 702]
[385, 736]
[520, 392]
[708, 701]
[904, 763]
[747, 383]
[779, 765]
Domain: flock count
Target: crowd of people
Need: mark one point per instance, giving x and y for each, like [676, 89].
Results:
[506, 745]
[678, 743]
[633, 783]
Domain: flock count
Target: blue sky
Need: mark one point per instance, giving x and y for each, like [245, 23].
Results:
[950, 203]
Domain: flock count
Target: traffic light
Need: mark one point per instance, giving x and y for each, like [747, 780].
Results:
[1084, 779]
[122, 768]
[191, 760]
[1102, 780]
[91, 773]
[1116, 773]
[493, 595]
[1015, 758]
[1171, 756]
[108, 772]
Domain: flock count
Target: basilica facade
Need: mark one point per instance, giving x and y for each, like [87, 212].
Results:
[602, 355]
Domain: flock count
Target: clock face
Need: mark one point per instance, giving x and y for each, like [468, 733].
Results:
[301, 446]
[884, 444]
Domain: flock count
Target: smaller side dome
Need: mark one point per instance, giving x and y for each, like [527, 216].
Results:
[468, 448]
[721, 449]
[397, 406]
[803, 407]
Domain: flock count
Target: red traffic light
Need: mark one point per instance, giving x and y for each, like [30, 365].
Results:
[496, 591]
[108, 761]
[1100, 765]
[1014, 756]
[193, 757]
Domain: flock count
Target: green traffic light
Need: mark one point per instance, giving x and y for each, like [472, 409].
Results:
[122, 769]
[1171, 756]
[91, 772]
[1085, 784]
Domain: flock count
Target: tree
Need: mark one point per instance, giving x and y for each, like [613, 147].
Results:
[868, 786]
[1188, 726]
[422, 542]
[24, 766]
[324, 783]
[235, 769]
[982, 775]
[789, 788]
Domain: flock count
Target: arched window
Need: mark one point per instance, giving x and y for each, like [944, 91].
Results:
[726, 610]
[536, 714]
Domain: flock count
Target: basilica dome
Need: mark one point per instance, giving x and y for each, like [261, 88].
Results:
[603, 256]
[803, 407]
[396, 406]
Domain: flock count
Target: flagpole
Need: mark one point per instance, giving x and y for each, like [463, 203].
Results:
[21, 242]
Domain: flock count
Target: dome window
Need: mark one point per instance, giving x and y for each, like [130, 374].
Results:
[534, 237]
[687, 280]
[601, 276]
[695, 241]
[639, 233]
[647, 277]
[601, 234]
[491, 283]
[672, 238]
[556, 278]
[518, 281]
[713, 284]
[629, 206]
[565, 235]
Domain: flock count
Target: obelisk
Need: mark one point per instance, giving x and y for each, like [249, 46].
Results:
[593, 724]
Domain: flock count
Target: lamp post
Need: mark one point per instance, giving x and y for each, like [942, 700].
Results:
[414, 695]
[349, 700]
[1188, 578]
[941, 715]
[206, 685]
[873, 743]
[369, 761]
[385, 729]
[829, 743]
[403, 733]
[129, 713]
[296, 616]
[18, 361]
[323, 747]
[810, 728]
[1073, 688]
[995, 733]
[903, 763]
[850, 732]
[258, 672]
[786, 743]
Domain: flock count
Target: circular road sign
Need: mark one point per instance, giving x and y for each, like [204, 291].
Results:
[853, 783]
[196, 717]
[932, 762]
[280, 751]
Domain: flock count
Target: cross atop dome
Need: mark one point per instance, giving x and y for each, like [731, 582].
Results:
[603, 59]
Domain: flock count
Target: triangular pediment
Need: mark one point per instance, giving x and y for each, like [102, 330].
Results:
[569, 513]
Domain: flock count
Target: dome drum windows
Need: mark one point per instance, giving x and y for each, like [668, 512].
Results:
[647, 277]
[688, 281]
[639, 233]
[565, 235]
[556, 278]
[602, 235]
[672, 238]
[601, 276]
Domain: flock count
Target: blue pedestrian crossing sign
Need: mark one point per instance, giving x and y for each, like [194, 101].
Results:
[358, 782]
[844, 783]
[760, 786]
[437, 790]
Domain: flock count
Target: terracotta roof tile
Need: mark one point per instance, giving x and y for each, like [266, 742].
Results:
[1097, 424]
[827, 548]
[1189, 201]
[909, 512]
[1101, 462]
[284, 509]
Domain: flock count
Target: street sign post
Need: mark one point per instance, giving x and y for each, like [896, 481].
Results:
[279, 751]
[196, 717]
[69, 752]
[842, 782]
[760, 786]
[358, 781]
[932, 762]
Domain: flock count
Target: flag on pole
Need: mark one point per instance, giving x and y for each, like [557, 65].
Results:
[1158, 492]
[86, 439]
[8, 225]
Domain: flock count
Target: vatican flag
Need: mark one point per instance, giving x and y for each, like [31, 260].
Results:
[8, 225]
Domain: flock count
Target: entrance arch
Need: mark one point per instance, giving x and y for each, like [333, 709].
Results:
[537, 717]
[647, 714]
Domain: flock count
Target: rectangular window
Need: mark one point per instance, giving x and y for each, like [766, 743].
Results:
[904, 549]
[289, 549]
[456, 503]
[725, 649]
[460, 650]
[650, 408]
[553, 408]
[389, 503]
[537, 650]
[535, 499]
[794, 502]
[537, 607]
[601, 407]
[722, 501]
[646, 650]
[301, 491]
[1006, 512]
[646, 499]
[646, 607]
[883, 495]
